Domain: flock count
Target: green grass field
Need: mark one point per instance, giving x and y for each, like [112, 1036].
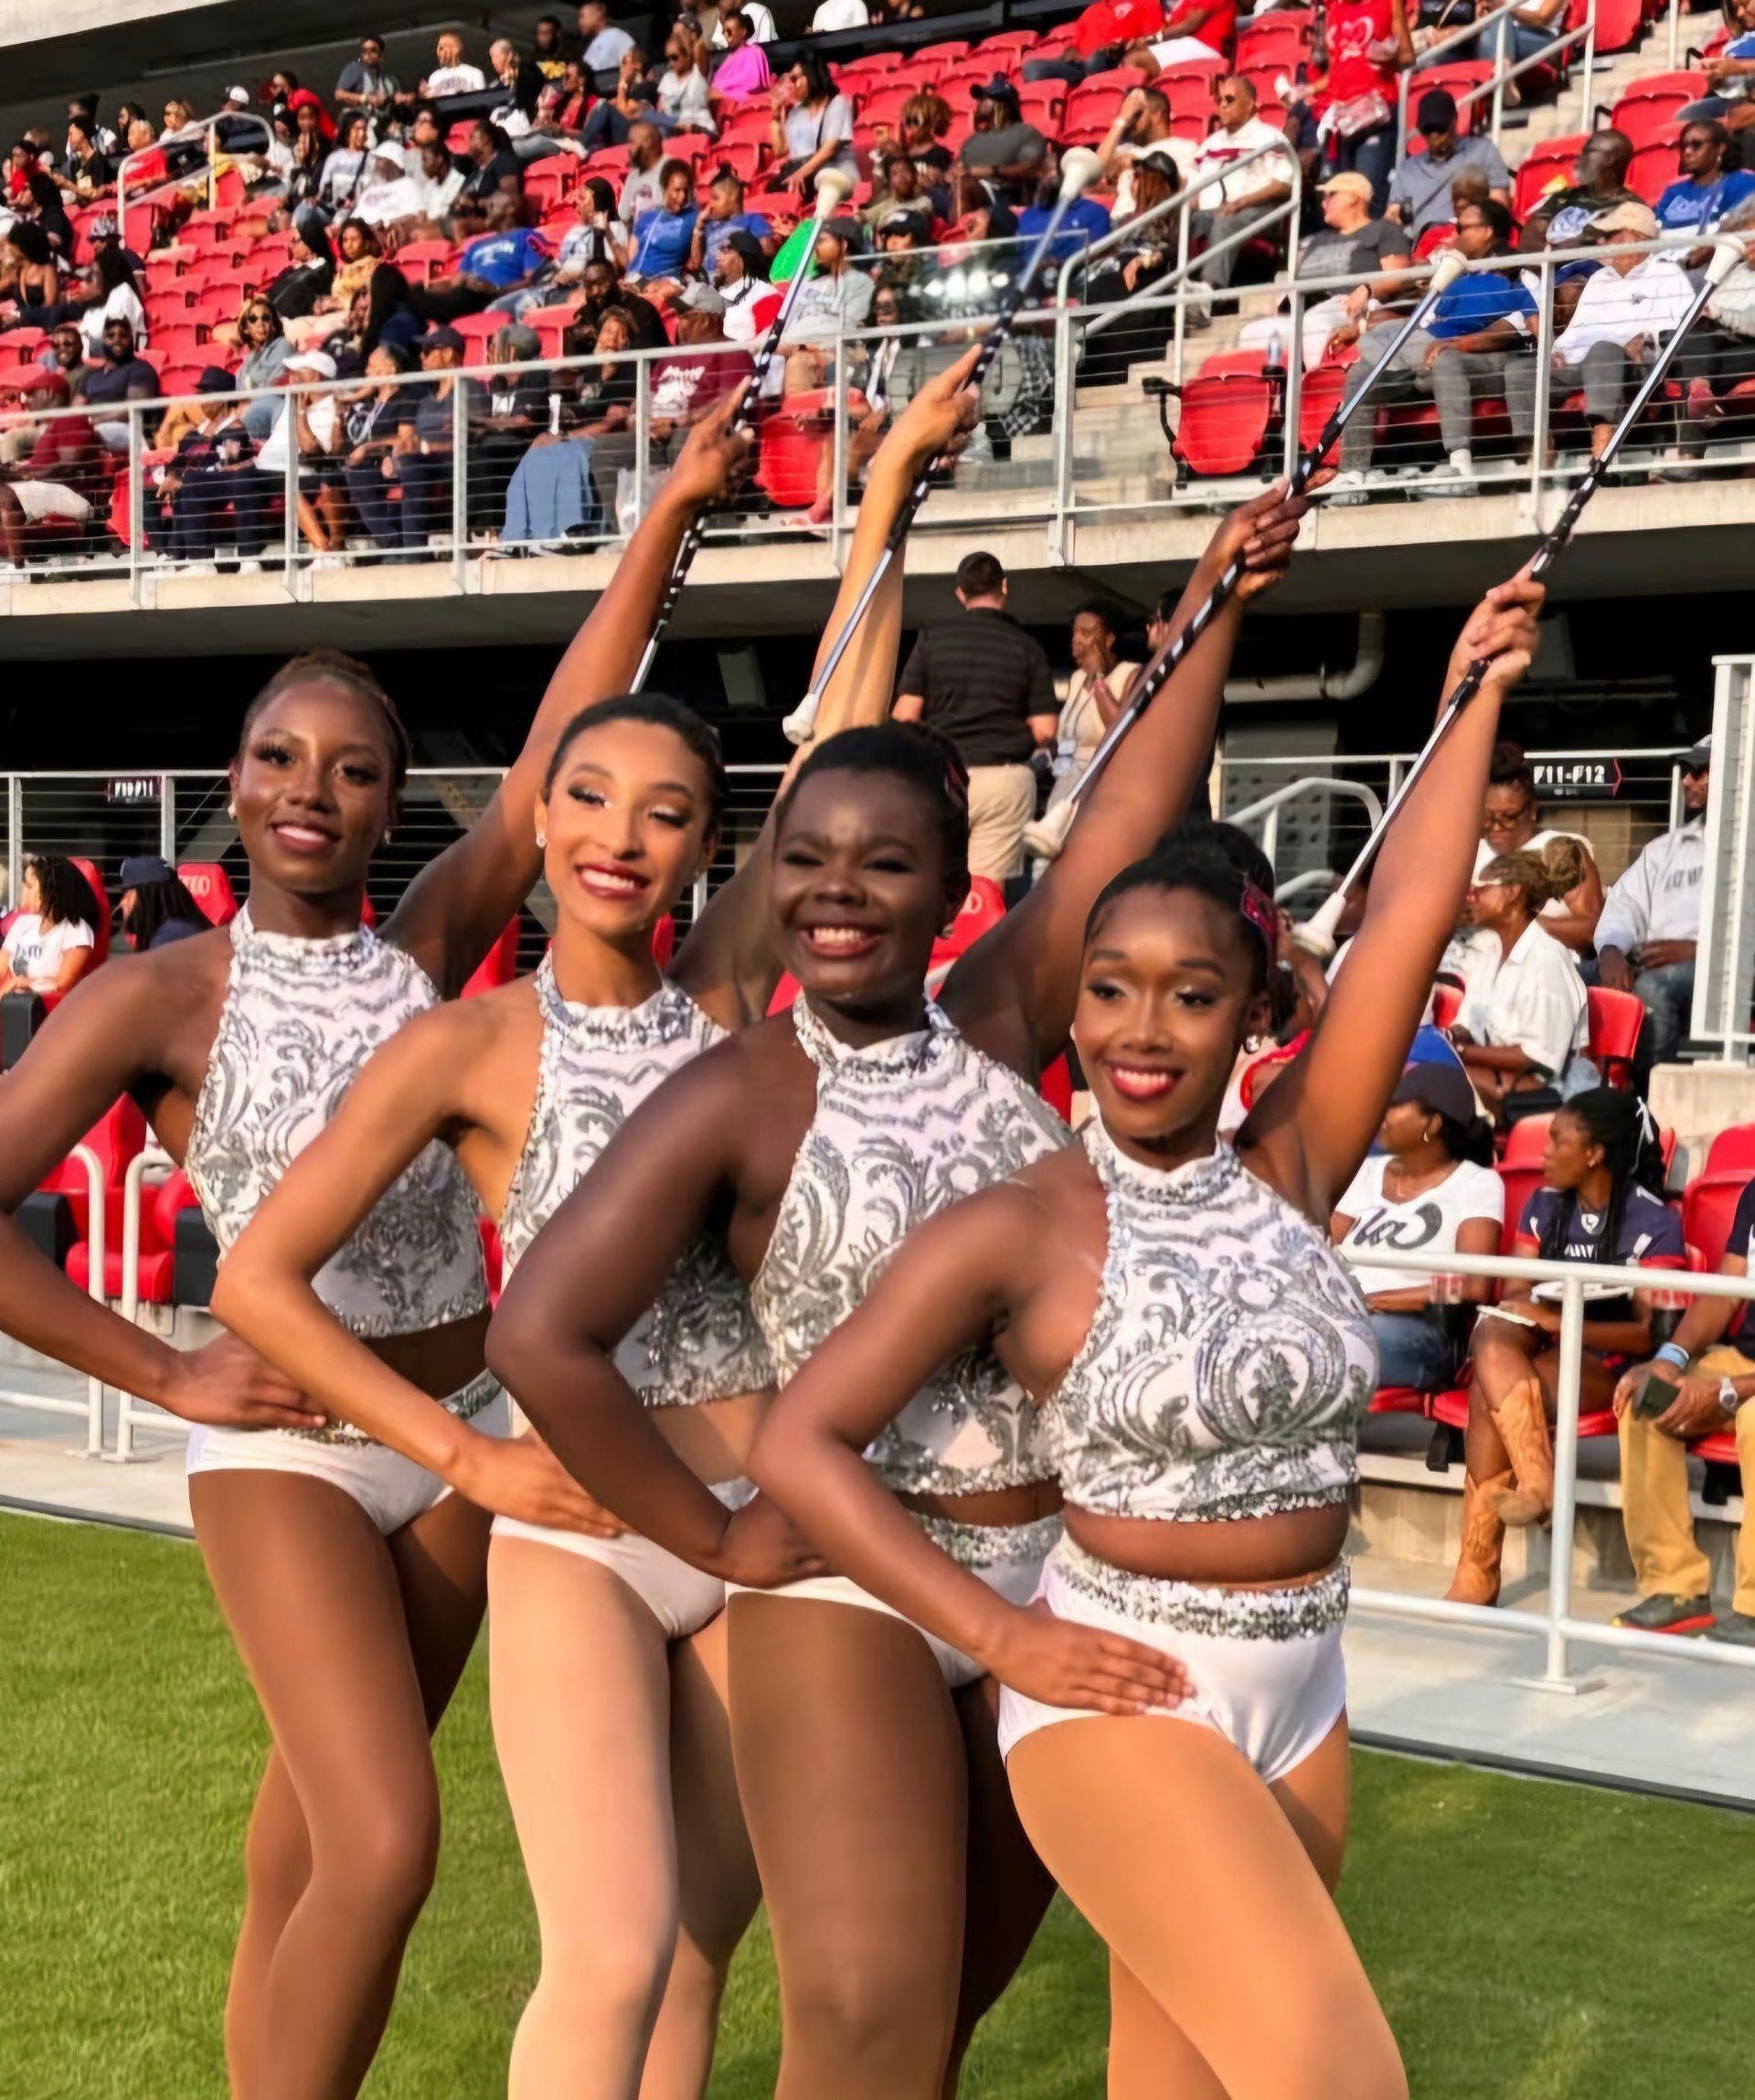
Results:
[1530, 1942]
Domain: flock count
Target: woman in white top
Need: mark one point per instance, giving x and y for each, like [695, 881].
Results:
[1431, 1191]
[1511, 822]
[117, 299]
[313, 421]
[1523, 1021]
[341, 171]
[50, 945]
[813, 126]
[682, 88]
[1092, 702]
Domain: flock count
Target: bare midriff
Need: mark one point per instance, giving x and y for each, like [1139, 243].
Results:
[713, 1437]
[439, 1361]
[997, 1507]
[1242, 1553]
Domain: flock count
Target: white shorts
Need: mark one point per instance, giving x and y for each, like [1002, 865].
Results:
[1266, 1664]
[392, 1490]
[39, 499]
[681, 1598]
[1007, 1557]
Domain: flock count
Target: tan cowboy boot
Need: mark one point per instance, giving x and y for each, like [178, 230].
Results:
[1521, 1418]
[1476, 1581]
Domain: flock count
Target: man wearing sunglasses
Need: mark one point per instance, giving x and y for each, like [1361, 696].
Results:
[1225, 202]
[1420, 195]
[1649, 925]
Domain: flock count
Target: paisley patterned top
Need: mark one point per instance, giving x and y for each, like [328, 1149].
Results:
[299, 1020]
[1230, 1360]
[701, 1341]
[903, 1128]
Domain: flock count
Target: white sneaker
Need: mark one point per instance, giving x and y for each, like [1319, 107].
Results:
[1347, 488]
[252, 567]
[1456, 475]
[328, 561]
[197, 569]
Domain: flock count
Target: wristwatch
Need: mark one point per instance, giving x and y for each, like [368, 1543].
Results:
[1730, 1399]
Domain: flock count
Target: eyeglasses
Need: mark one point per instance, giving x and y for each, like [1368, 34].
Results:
[1224, 98]
[1696, 771]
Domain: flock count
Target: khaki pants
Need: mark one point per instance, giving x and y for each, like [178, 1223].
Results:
[1654, 1499]
[1002, 801]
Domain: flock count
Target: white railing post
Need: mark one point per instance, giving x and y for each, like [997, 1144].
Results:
[131, 1197]
[1543, 382]
[290, 493]
[15, 837]
[1590, 65]
[459, 485]
[95, 1248]
[136, 501]
[1566, 1481]
[1066, 393]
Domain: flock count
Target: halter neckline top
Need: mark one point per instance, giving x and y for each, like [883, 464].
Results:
[902, 1128]
[1231, 1359]
[300, 1017]
[699, 1341]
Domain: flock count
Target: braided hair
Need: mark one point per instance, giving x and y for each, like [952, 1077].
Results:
[1622, 1125]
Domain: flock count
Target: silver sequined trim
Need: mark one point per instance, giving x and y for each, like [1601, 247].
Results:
[1199, 1608]
[467, 1401]
[978, 1547]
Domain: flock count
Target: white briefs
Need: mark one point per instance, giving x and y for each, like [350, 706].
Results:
[680, 1597]
[391, 1489]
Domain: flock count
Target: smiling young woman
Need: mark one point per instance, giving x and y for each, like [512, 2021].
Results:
[1202, 1361]
[352, 1576]
[806, 1148]
[608, 1663]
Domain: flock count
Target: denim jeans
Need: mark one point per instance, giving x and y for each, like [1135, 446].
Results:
[1412, 1351]
[1667, 996]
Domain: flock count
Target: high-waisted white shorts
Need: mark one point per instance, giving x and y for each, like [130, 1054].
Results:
[1266, 1664]
[392, 1490]
[1007, 1557]
[681, 1598]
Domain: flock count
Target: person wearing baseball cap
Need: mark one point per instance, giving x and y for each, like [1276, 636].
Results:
[1353, 242]
[61, 476]
[1429, 1190]
[740, 278]
[1650, 926]
[1419, 193]
[155, 906]
[1628, 303]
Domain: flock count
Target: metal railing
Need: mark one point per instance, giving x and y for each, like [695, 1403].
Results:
[1494, 89]
[1558, 1627]
[91, 1409]
[1265, 811]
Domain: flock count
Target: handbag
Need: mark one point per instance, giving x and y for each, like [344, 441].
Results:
[1353, 119]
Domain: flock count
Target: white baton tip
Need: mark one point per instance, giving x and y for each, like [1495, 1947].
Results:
[832, 186]
[1447, 268]
[1316, 935]
[1079, 168]
[1726, 255]
[800, 726]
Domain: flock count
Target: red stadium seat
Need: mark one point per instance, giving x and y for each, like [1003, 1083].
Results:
[1447, 1003]
[1457, 80]
[663, 941]
[979, 912]
[1619, 23]
[551, 324]
[1656, 165]
[1543, 168]
[1731, 1149]
[1056, 1089]
[1225, 418]
[1708, 1205]
[208, 882]
[1282, 38]
[497, 967]
[1526, 1143]
[1319, 395]
[1521, 1183]
[1398, 1400]
[493, 1259]
[421, 261]
[1616, 1019]
[792, 438]
[1649, 108]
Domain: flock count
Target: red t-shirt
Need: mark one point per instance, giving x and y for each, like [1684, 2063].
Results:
[1354, 26]
[1216, 30]
[1116, 22]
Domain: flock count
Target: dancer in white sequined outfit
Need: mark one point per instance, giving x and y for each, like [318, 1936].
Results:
[810, 1145]
[1202, 1361]
[607, 1654]
[352, 1577]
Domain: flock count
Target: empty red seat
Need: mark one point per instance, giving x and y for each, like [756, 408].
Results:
[1223, 422]
[979, 912]
[1708, 1206]
[1615, 1019]
[1656, 165]
[1526, 1143]
[498, 966]
[419, 261]
[1543, 168]
[208, 882]
[1731, 1149]
[793, 441]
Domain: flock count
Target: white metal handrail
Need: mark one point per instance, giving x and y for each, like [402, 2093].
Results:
[129, 1409]
[92, 1406]
[1558, 1625]
[1267, 809]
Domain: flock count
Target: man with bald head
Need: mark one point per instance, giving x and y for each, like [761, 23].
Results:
[1226, 202]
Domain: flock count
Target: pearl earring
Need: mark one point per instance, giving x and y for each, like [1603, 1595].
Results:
[542, 840]
[231, 811]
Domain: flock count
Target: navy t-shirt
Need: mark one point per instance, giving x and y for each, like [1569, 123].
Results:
[1650, 1237]
[1742, 1241]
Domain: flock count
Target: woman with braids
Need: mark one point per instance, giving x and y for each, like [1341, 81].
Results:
[608, 1663]
[1598, 1201]
[1524, 1024]
[806, 1148]
[1202, 1361]
[352, 1577]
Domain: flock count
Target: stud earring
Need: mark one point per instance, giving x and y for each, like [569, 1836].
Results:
[542, 840]
[231, 811]
[389, 835]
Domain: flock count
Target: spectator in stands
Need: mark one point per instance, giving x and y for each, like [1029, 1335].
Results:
[155, 906]
[834, 303]
[1599, 1203]
[506, 412]
[813, 125]
[1731, 71]
[634, 101]
[549, 49]
[1352, 243]
[309, 275]
[1523, 1024]
[601, 45]
[1650, 927]
[213, 459]
[421, 457]
[451, 76]
[1471, 345]
[84, 109]
[1708, 188]
[562, 105]
[641, 189]
[1094, 693]
[179, 115]
[520, 85]
[722, 216]
[1532, 28]
[366, 84]
[659, 255]
[495, 171]
[496, 265]
[755, 12]
[302, 184]
[438, 181]
[1366, 43]
[925, 119]
[1419, 196]
[311, 423]
[1430, 1189]
[598, 237]
[1700, 1381]
[30, 284]
[1625, 306]
[1193, 29]
[380, 430]
[51, 943]
[1142, 125]
[119, 375]
[600, 289]
[897, 189]
[740, 278]
[704, 367]
[265, 351]
[1511, 822]
[683, 94]
[390, 199]
[89, 171]
[743, 71]
[66, 350]
[985, 686]
[344, 170]
[838, 15]
[112, 294]
[1562, 219]
[1009, 155]
[1226, 204]
[64, 474]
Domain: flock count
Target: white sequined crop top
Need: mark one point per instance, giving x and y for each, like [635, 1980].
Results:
[701, 1341]
[1231, 1359]
[902, 1128]
[299, 1018]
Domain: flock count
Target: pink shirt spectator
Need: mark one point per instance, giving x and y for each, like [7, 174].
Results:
[744, 73]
